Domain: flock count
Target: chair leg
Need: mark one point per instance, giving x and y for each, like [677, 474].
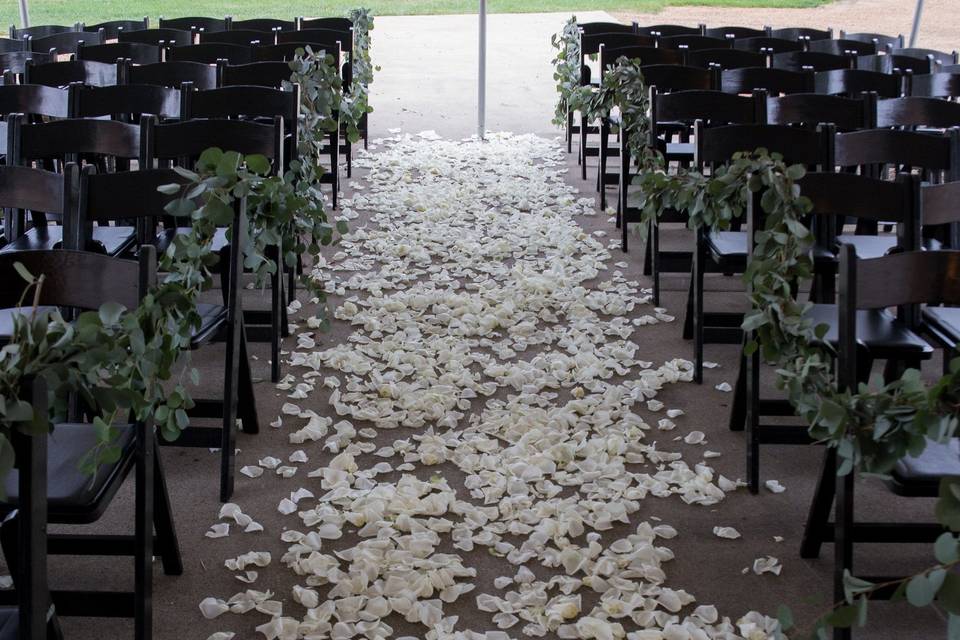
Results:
[653, 256]
[247, 401]
[624, 232]
[349, 147]
[602, 171]
[228, 432]
[698, 309]
[819, 514]
[569, 131]
[168, 545]
[292, 282]
[843, 542]
[688, 315]
[143, 555]
[583, 147]
[738, 410]
[276, 302]
[752, 384]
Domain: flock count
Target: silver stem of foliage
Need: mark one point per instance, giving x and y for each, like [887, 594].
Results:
[916, 23]
[482, 75]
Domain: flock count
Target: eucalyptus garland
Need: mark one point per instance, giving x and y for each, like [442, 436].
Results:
[356, 102]
[570, 95]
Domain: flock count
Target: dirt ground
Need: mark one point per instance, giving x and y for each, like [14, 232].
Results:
[939, 27]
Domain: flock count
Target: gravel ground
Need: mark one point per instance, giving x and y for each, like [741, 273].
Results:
[939, 29]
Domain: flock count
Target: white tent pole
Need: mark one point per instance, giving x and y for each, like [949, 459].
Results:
[916, 23]
[24, 15]
[482, 75]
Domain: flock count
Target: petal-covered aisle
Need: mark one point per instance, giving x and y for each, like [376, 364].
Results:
[478, 457]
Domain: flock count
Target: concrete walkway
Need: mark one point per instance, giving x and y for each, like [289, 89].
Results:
[428, 76]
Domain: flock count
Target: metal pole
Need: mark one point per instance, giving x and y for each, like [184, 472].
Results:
[24, 15]
[916, 23]
[482, 75]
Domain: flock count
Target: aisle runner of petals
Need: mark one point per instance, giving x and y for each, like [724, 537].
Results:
[490, 333]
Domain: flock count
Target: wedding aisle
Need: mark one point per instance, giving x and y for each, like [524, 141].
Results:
[481, 456]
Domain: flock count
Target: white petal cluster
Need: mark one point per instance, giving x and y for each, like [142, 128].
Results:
[489, 331]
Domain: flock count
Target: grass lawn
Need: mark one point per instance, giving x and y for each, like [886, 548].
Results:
[92, 11]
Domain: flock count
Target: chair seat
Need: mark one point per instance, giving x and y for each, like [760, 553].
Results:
[870, 246]
[878, 331]
[945, 321]
[9, 623]
[110, 240]
[728, 249]
[72, 495]
[212, 318]
[921, 475]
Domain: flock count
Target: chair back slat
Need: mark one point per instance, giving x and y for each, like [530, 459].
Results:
[125, 102]
[694, 42]
[34, 99]
[590, 43]
[8, 45]
[173, 74]
[61, 74]
[16, 61]
[340, 24]
[32, 189]
[886, 146]
[844, 47]
[268, 25]
[667, 30]
[64, 43]
[717, 145]
[108, 197]
[773, 81]
[190, 138]
[802, 33]
[249, 101]
[211, 53]
[939, 57]
[195, 23]
[136, 52]
[40, 30]
[811, 109]
[112, 28]
[765, 44]
[734, 33]
[76, 279]
[646, 55]
[850, 194]
[936, 85]
[288, 51]
[853, 82]
[712, 107]
[63, 139]
[320, 37]
[906, 278]
[939, 203]
[918, 112]
[879, 40]
[244, 37]
[725, 58]
[169, 37]
[810, 60]
[667, 77]
[264, 74]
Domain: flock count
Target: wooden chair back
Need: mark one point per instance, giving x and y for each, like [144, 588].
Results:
[339, 24]
[61, 74]
[125, 102]
[65, 43]
[936, 85]
[717, 145]
[43, 193]
[172, 74]
[268, 25]
[34, 100]
[15, 62]
[167, 37]
[811, 109]
[773, 81]
[853, 82]
[667, 30]
[811, 61]
[262, 74]
[66, 140]
[244, 37]
[725, 58]
[694, 42]
[646, 55]
[932, 154]
[183, 142]
[195, 23]
[879, 40]
[112, 28]
[41, 30]
[211, 53]
[768, 45]
[918, 112]
[135, 52]
[735, 33]
[843, 47]
[802, 33]
[288, 51]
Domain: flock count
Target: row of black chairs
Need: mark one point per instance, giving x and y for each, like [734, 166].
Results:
[894, 163]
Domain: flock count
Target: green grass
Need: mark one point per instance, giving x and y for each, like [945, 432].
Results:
[91, 11]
